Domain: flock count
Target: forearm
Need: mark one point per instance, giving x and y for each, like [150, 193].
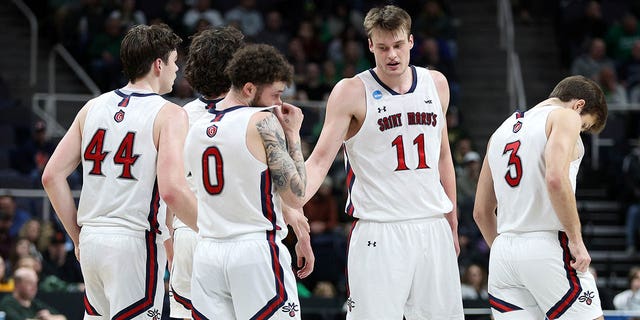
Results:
[488, 225]
[448, 181]
[61, 198]
[564, 204]
[294, 147]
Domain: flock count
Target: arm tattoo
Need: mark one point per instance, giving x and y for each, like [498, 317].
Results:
[286, 166]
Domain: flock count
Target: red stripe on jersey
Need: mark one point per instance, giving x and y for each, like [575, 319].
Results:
[88, 308]
[269, 212]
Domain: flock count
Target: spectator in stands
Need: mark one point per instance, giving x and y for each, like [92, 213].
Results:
[629, 299]
[614, 91]
[460, 149]
[6, 282]
[621, 37]
[23, 249]
[467, 181]
[249, 18]
[313, 87]
[23, 158]
[173, 16]
[104, 55]
[32, 231]
[80, 23]
[433, 21]
[474, 283]
[631, 179]
[201, 10]
[10, 209]
[273, 32]
[61, 263]
[128, 14]
[586, 27]
[591, 62]
[23, 304]
[629, 72]
[313, 48]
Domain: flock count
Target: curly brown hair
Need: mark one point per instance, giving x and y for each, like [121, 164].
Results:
[580, 87]
[209, 53]
[144, 44]
[259, 64]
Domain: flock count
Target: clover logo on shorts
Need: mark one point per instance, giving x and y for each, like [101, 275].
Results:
[587, 297]
[351, 304]
[291, 308]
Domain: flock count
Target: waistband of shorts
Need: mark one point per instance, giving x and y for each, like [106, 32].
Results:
[240, 237]
[532, 234]
[409, 221]
[114, 230]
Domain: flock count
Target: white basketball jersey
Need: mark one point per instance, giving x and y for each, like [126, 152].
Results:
[119, 163]
[234, 190]
[195, 110]
[392, 162]
[516, 159]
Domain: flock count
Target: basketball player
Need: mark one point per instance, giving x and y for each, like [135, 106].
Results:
[538, 261]
[246, 162]
[391, 121]
[209, 52]
[130, 143]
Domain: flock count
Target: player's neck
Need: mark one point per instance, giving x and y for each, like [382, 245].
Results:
[233, 98]
[141, 85]
[400, 83]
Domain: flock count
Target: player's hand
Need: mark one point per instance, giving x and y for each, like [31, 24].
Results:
[456, 244]
[581, 258]
[290, 117]
[306, 259]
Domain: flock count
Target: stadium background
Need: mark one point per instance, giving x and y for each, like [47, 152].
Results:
[498, 56]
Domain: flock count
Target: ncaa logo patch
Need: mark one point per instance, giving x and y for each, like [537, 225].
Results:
[212, 130]
[517, 127]
[377, 94]
[119, 116]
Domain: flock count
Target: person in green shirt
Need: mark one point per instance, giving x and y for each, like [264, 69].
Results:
[22, 304]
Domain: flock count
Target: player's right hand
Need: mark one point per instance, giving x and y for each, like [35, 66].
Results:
[289, 116]
[581, 258]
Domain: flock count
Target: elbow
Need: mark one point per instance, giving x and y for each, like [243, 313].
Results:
[478, 216]
[48, 178]
[554, 181]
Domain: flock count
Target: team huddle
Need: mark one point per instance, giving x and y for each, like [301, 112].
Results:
[210, 189]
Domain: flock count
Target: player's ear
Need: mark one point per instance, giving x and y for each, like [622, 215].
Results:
[578, 105]
[370, 44]
[249, 89]
[410, 41]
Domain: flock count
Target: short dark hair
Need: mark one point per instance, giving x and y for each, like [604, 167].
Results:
[144, 44]
[259, 64]
[580, 87]
[209, 53]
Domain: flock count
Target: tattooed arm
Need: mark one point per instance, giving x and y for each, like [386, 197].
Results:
[284, 155]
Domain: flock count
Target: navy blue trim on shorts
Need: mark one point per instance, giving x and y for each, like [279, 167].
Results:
[574, 283]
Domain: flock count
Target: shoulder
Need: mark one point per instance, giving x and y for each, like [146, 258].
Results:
[564, 116]
[439, 79]
[347, 90]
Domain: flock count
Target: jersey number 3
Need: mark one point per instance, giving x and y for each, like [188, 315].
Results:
[515, 162]
[124, 156]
